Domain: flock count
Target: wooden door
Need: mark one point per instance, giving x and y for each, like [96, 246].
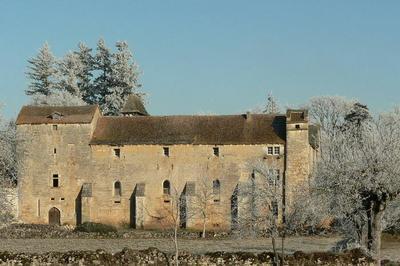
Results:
[54, 216]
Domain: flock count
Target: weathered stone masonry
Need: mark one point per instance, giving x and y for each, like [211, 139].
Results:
[77, 165]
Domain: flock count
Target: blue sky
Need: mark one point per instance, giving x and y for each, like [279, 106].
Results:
[219, 56]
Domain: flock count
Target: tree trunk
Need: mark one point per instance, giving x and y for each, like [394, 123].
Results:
[204, 228]
[176, 245]
[274, 250]
[283, 247]
[378, 212]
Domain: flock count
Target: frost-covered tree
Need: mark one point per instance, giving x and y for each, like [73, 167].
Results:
[358, 177]
[85, 74]
[8, 168]
[69, 69]
[124, 80]
[103, 66]
[169, 216]
[8, 161]
[272, 106]
[261, 202]
[329, 113]
[202, 202]
[42, 72]
[57, 98]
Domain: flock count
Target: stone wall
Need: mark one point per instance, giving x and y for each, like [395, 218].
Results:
[88, 174]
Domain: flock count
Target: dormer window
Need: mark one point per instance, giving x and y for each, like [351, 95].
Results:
[56, 116]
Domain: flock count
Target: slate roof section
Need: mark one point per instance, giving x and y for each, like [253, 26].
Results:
[56, 114]
[208, 130]
[134, 105]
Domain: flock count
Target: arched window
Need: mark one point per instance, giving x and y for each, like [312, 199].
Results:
[117, 189]
[166, 188]
[216, 187]
[216, 190]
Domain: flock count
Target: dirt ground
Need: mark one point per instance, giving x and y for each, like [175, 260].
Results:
[390, 248]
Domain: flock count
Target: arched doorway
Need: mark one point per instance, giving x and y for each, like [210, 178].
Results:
[54, 216]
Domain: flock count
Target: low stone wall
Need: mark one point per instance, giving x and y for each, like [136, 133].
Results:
[153, 256]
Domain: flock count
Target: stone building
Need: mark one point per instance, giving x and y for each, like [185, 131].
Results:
[77, 165]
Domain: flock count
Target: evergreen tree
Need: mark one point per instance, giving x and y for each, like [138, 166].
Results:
[272, 106]
[42, 72]
[69, 69]
[358, 114]
[124, 80]
[85, 74]
[103, 65]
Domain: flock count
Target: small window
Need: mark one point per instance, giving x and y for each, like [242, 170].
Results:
[55, 127]
[117, 189]
[52, 198]
[216, 151]
[277, 150]
[55, 151]
[166, 188]
[270, 150]
[166, 151]
[117, 153]
[117, 201]
[62, 198]
[297, 126]
[56, 181]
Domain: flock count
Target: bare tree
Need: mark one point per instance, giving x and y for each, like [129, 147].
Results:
[272, 106]
[358, 175]
[329, 113]
[169, 216]
[261, 201]
[204, 202]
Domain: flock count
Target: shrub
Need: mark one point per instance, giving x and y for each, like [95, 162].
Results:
[90, 227]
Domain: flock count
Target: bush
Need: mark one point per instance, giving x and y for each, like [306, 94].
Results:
[90, 227]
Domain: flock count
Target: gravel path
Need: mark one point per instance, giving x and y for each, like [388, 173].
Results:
[390, 249]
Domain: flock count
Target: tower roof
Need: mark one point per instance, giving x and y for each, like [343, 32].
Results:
[134, 105]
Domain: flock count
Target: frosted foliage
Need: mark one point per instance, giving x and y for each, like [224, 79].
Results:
[42, 72]
[85, 75]
[8, 166]
[329, 113]
[260, 199]
[70, 67]
[7, 150]
[272, 106]
[123, 80]
[358, 175]
[57, 98]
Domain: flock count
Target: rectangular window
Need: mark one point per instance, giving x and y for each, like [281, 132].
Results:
[62, 198]
[55, 181]
[117, 153]
[277, 150]
[166, 151]
[297, 126]
[270, 150]
[216, 151]
[55, 127]
[55, 151]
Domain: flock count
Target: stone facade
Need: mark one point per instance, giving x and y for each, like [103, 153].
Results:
[66, 163]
